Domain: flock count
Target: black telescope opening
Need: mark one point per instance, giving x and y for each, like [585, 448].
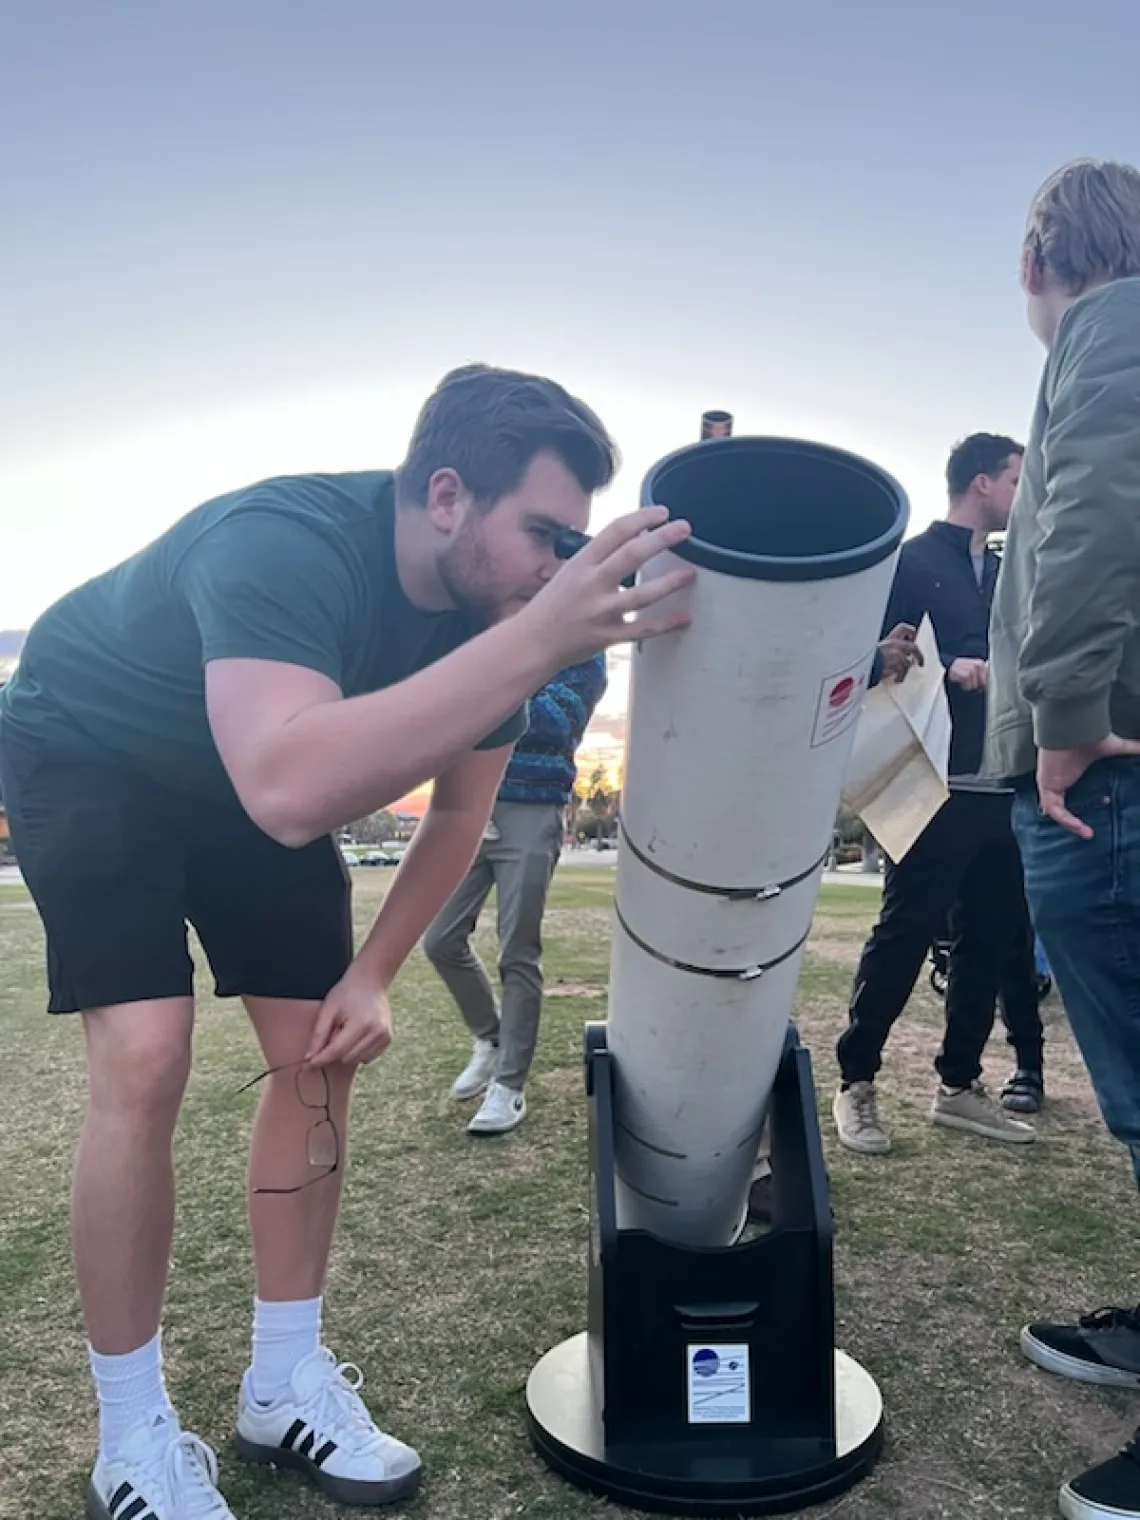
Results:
[779, 509]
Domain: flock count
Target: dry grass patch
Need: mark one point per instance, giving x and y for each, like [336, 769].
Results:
[459, 1262]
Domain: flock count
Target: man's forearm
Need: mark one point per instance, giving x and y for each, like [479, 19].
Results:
[438, 858]
[341, 760]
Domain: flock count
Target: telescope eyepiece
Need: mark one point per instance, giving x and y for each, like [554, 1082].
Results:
[569, 541]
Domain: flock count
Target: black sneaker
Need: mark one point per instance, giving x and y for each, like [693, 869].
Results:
[1109, 1491]
[1100, 1348]
[1024, 1093]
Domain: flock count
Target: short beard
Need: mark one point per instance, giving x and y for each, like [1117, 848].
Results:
[464, 570]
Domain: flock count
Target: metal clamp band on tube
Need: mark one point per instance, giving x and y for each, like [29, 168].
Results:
[729, 894]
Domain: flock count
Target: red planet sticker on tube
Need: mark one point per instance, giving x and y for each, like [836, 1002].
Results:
[840, 703]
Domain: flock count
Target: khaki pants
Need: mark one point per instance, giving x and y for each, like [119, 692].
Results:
[519, 864]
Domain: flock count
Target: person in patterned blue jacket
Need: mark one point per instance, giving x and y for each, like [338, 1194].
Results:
[517, 856]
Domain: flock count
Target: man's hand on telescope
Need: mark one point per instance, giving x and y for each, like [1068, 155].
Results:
[898, 652]
[585, 608]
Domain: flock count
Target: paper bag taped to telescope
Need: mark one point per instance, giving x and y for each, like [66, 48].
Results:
[896, 777]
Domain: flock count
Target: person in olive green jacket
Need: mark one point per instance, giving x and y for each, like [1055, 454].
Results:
[1064, 688]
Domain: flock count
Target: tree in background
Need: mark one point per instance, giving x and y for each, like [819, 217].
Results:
[375, 829]
[848, 826]
[601, 799]
[854, 841]
[592, 813]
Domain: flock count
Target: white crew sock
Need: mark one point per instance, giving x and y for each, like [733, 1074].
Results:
[284, 1333]
[130, 1388]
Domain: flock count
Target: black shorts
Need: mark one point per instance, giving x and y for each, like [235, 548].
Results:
[118, 867]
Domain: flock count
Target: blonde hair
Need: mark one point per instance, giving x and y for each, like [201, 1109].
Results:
[1084, 226]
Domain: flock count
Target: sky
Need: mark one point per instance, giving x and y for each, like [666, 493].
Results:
[245, 237]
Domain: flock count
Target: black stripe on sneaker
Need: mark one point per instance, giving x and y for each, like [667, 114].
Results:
[120, 1496]
[292, 1433]
[322, 1456]
[308, 1443]
[122, 1507]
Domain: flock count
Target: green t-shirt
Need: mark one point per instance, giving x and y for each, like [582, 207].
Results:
[300, 569]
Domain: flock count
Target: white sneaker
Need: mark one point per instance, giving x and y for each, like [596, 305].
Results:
[159, 1473]
[503, 1109]
[857, 1124]
[323, 1429]
[972, 1109]
[474, 1077]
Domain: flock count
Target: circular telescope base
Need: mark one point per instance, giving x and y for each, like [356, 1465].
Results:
[764, 1478]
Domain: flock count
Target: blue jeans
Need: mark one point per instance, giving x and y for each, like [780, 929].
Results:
[1084, 896]
[1040, 959]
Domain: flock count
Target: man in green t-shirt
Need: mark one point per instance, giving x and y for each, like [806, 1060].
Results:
[182, 737]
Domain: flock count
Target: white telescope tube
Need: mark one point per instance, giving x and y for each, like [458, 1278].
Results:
[739, 732]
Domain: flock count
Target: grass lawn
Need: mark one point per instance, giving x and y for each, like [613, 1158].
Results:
[459, 1262]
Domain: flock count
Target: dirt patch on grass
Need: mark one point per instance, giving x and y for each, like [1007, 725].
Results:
[851, 928]
[593, 924]
[826, 948]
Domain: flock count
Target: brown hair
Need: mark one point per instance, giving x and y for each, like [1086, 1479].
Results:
[979, 454]
[1084, 225]
[488, 424]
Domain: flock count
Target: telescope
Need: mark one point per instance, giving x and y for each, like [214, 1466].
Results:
[707, 1380]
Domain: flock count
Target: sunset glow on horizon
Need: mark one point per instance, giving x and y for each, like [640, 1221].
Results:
[248, 240]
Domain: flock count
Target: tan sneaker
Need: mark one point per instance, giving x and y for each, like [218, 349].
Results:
[973, 1109]
[857, 1120]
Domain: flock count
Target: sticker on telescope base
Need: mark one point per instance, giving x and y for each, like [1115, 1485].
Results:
[719, 1388]
[840, 703]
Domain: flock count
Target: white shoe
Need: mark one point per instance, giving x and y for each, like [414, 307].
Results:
[856, 1114]
[972, 1109]
[503, 1109]
[322, 1429]
[473, 1079]
[159, 1473]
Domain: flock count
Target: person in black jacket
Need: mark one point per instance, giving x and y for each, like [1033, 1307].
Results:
[966, 864]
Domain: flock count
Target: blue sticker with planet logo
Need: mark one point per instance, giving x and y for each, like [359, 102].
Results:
[719, 1387]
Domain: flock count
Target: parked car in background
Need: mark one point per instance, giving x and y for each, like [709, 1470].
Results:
[366, 855]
